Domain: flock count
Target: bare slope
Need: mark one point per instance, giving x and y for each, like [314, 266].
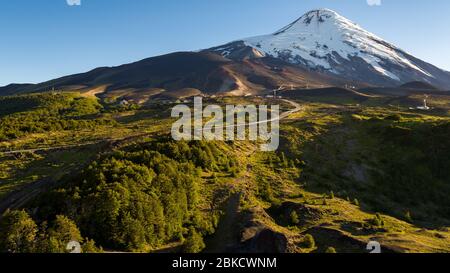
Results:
[207, 72]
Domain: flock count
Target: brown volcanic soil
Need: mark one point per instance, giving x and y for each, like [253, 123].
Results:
[207, 72]
[334, 92]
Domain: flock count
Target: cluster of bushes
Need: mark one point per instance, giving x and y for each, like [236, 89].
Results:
[308, 241]
[39, 113]
[281, 161]
[141, 197]
[20, 234]
[265, 191]
[377, 221]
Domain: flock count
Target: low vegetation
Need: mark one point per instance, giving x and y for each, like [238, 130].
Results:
[345, 174]
[41, 113]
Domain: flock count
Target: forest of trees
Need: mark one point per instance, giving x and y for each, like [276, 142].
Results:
[135, 199]
[20, 234]
[39, 113]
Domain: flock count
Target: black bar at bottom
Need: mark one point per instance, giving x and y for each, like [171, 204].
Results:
[160, 263]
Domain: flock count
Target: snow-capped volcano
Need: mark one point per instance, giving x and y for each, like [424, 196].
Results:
[325, 41]
[321, 38]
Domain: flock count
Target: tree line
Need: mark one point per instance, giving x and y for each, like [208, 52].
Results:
[137, 198]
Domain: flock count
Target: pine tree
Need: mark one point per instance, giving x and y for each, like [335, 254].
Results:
[308, 241]
[17, 232]
[331, 250]
[294, 218]
[194, 242]
[284, 160]
[377, 221]
[408, 217]
[62, 232]
[234, 173]
[292, 164]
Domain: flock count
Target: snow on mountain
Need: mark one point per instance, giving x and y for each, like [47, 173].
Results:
[325, 41]
[318, 34]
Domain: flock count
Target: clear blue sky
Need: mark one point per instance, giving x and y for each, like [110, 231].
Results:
[44, 39]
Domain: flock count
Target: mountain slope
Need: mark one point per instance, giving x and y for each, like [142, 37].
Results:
[207, 72]
[326, 41]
